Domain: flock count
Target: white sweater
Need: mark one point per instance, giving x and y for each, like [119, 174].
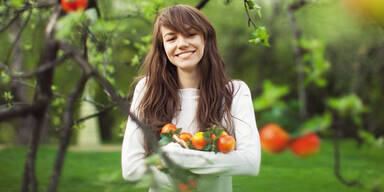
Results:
[215, 169]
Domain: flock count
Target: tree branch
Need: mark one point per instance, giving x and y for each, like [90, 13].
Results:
[298, 52]
[336, 157]
[18, 36]
[297, 5]
[42, 95]
[148, 135]
[250, 20]
[38, 71]
[67, 127]
[201, 4]
[17, 111]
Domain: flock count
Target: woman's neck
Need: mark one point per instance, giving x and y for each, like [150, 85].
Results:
[188, 79]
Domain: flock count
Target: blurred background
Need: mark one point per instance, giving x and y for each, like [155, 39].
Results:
[316, 66]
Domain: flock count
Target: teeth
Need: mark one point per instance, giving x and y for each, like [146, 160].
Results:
[186, 53]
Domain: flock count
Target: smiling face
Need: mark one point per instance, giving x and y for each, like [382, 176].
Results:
[183, 50]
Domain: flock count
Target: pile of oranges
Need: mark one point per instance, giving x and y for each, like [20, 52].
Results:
[214, 139]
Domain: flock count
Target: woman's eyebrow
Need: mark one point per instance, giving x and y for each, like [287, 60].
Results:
[169, 33]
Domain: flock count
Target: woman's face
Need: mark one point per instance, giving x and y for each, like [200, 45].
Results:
[184, 52]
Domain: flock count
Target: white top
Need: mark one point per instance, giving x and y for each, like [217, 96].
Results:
[215, 169]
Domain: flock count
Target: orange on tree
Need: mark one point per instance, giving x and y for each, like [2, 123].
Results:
[226, 143]
[305, 145]
[74, 5]
[198, 141]
[168, 128]
[273, 138]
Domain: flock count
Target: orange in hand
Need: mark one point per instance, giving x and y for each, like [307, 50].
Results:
[167, 128]
[185, 136]
[198, 141]
[187, 187]
[226, 143]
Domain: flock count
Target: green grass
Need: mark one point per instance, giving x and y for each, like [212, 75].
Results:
[100, 171]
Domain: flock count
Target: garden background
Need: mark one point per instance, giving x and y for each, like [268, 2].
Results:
[315, 65]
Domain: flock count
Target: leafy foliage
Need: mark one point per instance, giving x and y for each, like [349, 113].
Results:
[271, 95]
[317, 65]
[260, 35]
[349, 105]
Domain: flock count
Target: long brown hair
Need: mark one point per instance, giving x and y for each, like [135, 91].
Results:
[161, 101]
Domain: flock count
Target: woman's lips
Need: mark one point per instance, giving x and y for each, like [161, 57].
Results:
[185, 54]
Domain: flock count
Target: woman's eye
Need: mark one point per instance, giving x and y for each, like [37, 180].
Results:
[171, 39]
[192, 34]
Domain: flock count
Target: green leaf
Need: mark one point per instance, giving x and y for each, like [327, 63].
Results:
[17, 4]
[347, 105]
[317, 123]
[260, 35]
[250, 4]
[66, 26]
[315, 63]
[370, 139]
[165, 139]
[8, 96]
[154, 159]
[271, 95]
[135, 60]
[5, 78]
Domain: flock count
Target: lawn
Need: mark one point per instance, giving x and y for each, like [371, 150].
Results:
[100, 171]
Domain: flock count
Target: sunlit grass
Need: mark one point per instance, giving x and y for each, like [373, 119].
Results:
[100, 171]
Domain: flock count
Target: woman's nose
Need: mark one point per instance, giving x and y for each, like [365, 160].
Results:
[182, 41]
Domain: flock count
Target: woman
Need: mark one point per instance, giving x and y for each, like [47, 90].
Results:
[184, 82]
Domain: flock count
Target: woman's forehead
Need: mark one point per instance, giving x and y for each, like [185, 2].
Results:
[180, 29]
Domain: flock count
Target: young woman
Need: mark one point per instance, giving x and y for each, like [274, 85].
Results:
[184, 82]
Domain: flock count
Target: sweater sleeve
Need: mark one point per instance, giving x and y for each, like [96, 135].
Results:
[133, 152]
[244, 160]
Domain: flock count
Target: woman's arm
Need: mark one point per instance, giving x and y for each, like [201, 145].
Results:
[133, 152]
[244, 160]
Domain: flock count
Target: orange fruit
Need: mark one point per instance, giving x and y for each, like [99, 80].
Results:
[226, 143]
[187, 187]
[73, 5]
[185, 136]
[305, 145]
[273, 138]
[198, 141]
[167, 128]
[183, 187]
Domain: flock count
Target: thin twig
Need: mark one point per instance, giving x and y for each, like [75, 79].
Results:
[250, 20]
[67, 127]
[41, 69]
[336, 157]
[18, 36]
[298, 52]
[201, 4]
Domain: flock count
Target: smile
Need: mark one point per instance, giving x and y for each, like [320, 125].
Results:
[185, 53]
